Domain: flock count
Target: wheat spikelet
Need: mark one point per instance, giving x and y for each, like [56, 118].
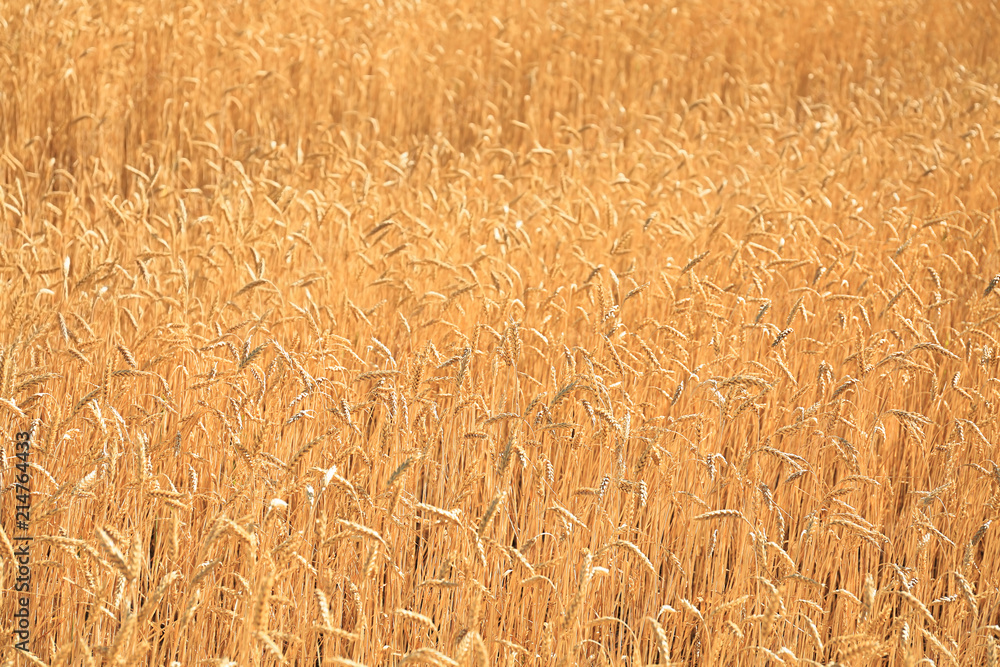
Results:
[782, 336]
[376, 375]
[773, 606]
[303, 450]
[149, 606]
[859, 648]
[259, 605]
[694, 261]
[418, 618]
[642, 557]
[270, 645]
[519, 557]
[718, 514]
[491, 511]
[359, 529]
[661, 639]
[114, 554]
[8, 548]
[734, 629]
[967, 593]
[939, 645]
[428, 655]
[445, 515]
[917, 605]
[242, 534]
[583, 585]
[814, 634]
[122, 639]
[538, 578]
[569, 516]
[935, 348]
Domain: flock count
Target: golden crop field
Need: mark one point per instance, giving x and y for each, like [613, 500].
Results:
[499, 333]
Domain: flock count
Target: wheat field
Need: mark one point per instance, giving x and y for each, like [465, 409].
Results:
[501, 333]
